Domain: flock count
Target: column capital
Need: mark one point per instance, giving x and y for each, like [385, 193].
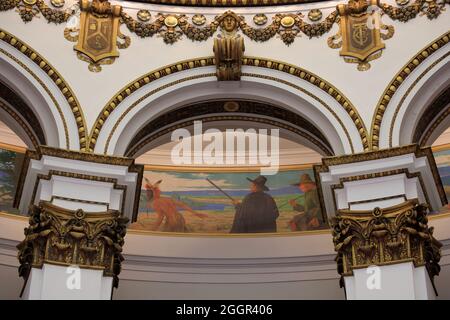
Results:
[89, 240]
[385, 236]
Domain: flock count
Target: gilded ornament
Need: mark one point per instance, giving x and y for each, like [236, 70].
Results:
[287, 21]
[360, 41]
[228, 54]
[384, 236]
[57, 3]
[402, 2]
[29, 2]
[144, 15]
[66, 237]
[171, 21]
[198, 19]
[231, 106]
[315, 15]
[260, 19]
[229, 22]
[98, 34]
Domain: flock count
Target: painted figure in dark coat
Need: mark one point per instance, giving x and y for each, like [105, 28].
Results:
[258, 211]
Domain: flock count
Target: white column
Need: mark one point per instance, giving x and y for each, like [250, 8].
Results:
[395, 181]
[66, 182]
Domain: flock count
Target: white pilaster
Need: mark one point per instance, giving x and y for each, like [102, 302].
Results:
[72, 181]
[355, 185]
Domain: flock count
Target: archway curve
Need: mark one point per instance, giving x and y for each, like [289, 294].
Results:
[403, 87]
[248, 114]
[55, 105]
[321, 96]
[19, 117]
[206, 88]
[434, 120]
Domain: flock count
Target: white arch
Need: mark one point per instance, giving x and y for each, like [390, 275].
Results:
[412, 97]
[201, 84]
[12, 124]
[41, 94]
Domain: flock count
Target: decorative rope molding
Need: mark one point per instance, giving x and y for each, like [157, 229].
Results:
[47, 90]
[408, 91]
[396, 82]
[227, 3]
[59, 81]
[323, 85]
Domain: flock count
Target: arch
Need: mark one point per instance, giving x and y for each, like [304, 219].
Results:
[434, 120]
[407, 95]
[249, 114]
[45, 91]
[262, 80]
[19, 117]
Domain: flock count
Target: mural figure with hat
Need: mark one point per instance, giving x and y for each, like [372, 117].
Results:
[167, 209]
[309, 216]
[257, 212]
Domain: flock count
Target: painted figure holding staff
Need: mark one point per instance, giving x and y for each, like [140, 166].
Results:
[257, 212]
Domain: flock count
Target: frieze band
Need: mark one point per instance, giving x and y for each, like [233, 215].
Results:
[360, 43]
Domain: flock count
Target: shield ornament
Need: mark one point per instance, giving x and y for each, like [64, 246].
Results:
[98, 33]
[360, 32]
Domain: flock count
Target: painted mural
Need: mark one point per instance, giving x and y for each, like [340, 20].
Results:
[442, 159]
[229, 202]
[10, 165]
[219, 202]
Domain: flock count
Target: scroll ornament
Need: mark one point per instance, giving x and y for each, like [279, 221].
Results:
[65, 237]
[384, 236]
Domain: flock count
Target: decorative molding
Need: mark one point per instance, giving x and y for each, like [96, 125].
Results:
[80, 156]
[298, 72]
[18, 109]
[226, 3]
[47, 90]
[18, 119]
[405, 171]
[66, 237]
[216, 111]
[285, 167]
[171, 27]
[228, 50]
[73, 175]
[385, 236]
[432, 117]
[438, 105]
[97, 34]
[359, 42]
[383, 154]
[383, 102]
[56, 77]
